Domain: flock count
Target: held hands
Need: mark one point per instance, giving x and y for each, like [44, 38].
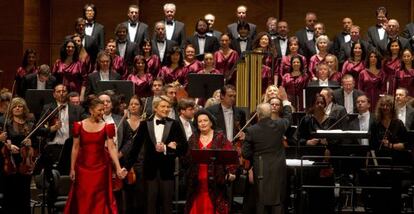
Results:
[172, 145]
[231, 177]
[121, 173]
[159, 147]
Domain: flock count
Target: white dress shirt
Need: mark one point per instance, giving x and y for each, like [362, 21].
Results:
[349, 102]
[89, 29]
[121, 49]
[328, 108]
[347, 38]
[201, 44]
[132, 31]
[161, 49]
[228, 120]
[169, 30]
[309, 34]
[104, 75]
[381, 33]
[187, 127]
[323, 82]
[40, 85]
[402, 112]
[63, 133]
[364, 125]
[283, 46]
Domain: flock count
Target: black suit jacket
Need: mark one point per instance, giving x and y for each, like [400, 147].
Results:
[303, 38]
[374, 40]
[30, 82]
[169, 44]
[264, 140]
[91, 46]
[338, 41]
[278, 49]
[211, 44]
[98, 34]
[409, 118]
[93, 78]
[345, 51]
[239, 118]
[353, 124]
[232, 30]
[215, 33]
[408, 33]
[178, 34]
[131, 50]
[235, 45]
[339, 96]
[142, 32]
[155, 162]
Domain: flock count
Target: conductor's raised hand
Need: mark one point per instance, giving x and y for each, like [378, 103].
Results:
[282, 93]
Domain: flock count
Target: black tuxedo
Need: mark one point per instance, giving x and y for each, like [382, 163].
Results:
[158, 167]
[345, 51]
[353, 124]
[98, 34]
[408, 33]
[211, 44]
[232, 30]
[235, 45]
[239, 118]
[337, 113]
[179, 33]
[169, 44]
[339, 96]
[338, 41]
[303, 38]
[90, 44]
[131, 50]
[278, 48]
[215, 33]
[142, 32]
[30, 82]
[93, 78]
[264, 140]
[409, 118]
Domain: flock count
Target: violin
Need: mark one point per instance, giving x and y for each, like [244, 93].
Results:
[26, 150]
[9, 166]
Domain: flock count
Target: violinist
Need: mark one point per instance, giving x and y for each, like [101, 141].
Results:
[18, 157]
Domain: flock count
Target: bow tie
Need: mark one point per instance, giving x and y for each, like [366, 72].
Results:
[309, 30]
[282, 38]
[242, 39]
[133, 24]
[89, 24]
[169, 22]
[201, 36]
[158, 122]
[160, 41]
[121, 42]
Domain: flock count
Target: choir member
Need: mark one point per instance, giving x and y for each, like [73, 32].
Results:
[344, 36]
[118, 63]
[137, 30]
[271, 25]
[392, 64]
[405, 76]
[271, 92]
[242, 42]
[201, 41]
[125, 48]
[93, 28]
[322, 44]
[285, 66]
[191, 63]
[140, 77]
[311, 48]
[332, 62]
[88, 42]
[161, 46]
[377, 34]
[322, 71]
[346, 48]
[28, 66]
[210, 18]
[281, 41]
[408, 33]
[295, 81]
[356, 63]
[307, 33]
[174, 30]
[40, 80]
[209, 65]
[263, 44]
[393, 32]
[371, 80]
[152, 59]
[241, 13]
[346, 96]
[83, 54]
[226, 59]
[174, 69]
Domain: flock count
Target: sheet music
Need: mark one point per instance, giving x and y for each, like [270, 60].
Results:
[341, 131]
[297, 162]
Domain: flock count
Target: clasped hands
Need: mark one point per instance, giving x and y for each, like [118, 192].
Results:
[160, 147]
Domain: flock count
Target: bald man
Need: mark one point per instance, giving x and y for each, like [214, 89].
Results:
[241, 14]
[210, 18]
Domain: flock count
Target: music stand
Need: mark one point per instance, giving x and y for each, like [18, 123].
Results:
[37, 98]
[311, 91]
[204, 85]
[124, 87]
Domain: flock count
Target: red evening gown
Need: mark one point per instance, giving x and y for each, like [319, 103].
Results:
[202, 203]
[92, 190]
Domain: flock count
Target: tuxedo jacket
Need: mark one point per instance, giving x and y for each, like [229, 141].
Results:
[178, 34]
[232, 30]
[98, 34]
[142, 32]
[345, 51]
[374, 39]
[131, 50]
[338, 41]
[94, 77]
[30, 82]
[239, 117]
[75, 113]
[353, 124]
[339, 96]
[216, 33]
[169, 44]
[91, 46]
[302, 37]
[211, 44]
[409, 117]
[235, 45]
[155, 162]
[278, 49]
[408, 33]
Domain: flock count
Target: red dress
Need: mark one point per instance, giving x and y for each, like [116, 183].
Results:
[202, 203]
[92, 190]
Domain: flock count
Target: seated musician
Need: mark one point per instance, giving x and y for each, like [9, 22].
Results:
[334, 110]
[364, 120]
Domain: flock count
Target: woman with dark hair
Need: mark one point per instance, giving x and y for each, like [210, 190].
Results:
[68, 70]
[295, 81]
[118, 63]
[91, 164]
[204, 195]
[406, 73]
[93, 28]
[356, 62]
[263, 44]
[174, 70]
[226, 59]
[28, 66]
[371, 79]
[17, 179]
[334, 74]
[285, 66]
[153, 60]
[83, 55]
[391, 65]
[140, 77]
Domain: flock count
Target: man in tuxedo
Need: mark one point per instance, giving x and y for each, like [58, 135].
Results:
[230, 118]
[186, 109]
[170, 90]
[174, 30]
[343, 37]
[137, 31]
[307, 33]
[201, 41]
[408, 33]
[40, 80]
[264, 144]
[377, 35]
[241, 13]
[281, 41]
[346, 96]
[160, 44]
[332, 109]
[163, 141]
[74, 98]
[271, 25]
[89, 43]
[93, 28]
[393, 32]
[210, 18]
[125, 48]
[103, 73]
[242, 42]
[364, 120]
[345, 51]
[157, 90]
[404, 112]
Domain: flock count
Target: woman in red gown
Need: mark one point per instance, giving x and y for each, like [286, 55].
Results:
[118, 62]
[294, 82]
[334, 74]
[205, 196]
[356, 63]
[153, 60]
[28, 67]
[91, 165]
[263, 44]
[285, 65]
[140, 77]
[391, 65]
[406, 73]
[226, 59]
[174, 69]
